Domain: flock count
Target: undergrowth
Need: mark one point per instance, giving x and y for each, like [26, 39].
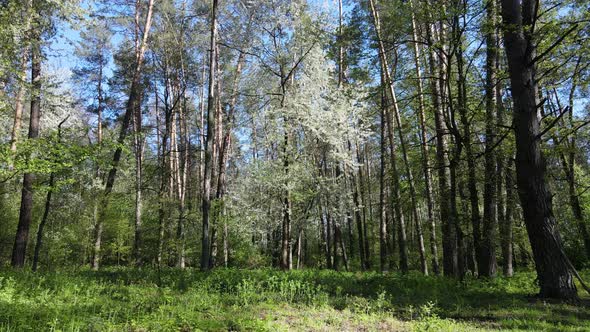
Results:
[116, 299]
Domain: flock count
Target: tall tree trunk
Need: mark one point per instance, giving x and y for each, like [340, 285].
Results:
[488, 252]
[369, 203]
[506, 224]
[43, 222]
[139, 148]
[424, 150]
[568, 165]
[20, 100]
[551, 263]
[286, 226]
[396, 189]
[465, 139]
[359, 210]
[26, 206]
[132, 104]
[162, 142]
[211, 102]
[20, 94]
[448, 220]
[383, 250]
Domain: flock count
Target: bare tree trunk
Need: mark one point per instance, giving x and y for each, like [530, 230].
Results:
[20, 95]
[286, 226]
[506, 225]
[369, 203]
[43, 222]
[39, 241]
[299, 249]
[132, 104]
[424, 150]
[383, 250]
[161, 139]
[359, 210]
[448, 220]
[26, 206]
[20, 100]
[490, 215]
[211, 101]
[552, 265]
[139, 149]
[396, 191]
[568, 165]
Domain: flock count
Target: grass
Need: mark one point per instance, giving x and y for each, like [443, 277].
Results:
[268, 300]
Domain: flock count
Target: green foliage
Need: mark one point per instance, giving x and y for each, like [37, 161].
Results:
[116, 299]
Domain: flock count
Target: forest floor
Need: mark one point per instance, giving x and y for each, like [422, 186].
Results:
[125, 299]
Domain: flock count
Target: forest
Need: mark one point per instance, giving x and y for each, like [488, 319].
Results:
[294, 165]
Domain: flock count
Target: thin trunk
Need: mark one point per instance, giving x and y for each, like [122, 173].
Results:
[424, 150]
[43, 222]
[396, 186]
[299, 250]
[20, 100]
[161, 139]
[139, 148]
[286, 226]
[132, 104]
[449, 236]
[490, 214]
[506, 225]
[211, 102]
[383, 252]
[359, 209]
[369, 204]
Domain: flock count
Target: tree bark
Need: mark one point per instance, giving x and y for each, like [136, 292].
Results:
[396, 186]
[47, 208]
[20, 95]
[383, 250]
[448, 220]
[553, 268]
[506, 225]
[211, 101]
[488, 253]
[424, 151]
[132, 104]
[26, 207]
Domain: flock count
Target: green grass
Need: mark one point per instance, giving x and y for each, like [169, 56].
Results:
[269, 300]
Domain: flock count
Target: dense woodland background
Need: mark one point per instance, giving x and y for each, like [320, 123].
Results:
[446, 137]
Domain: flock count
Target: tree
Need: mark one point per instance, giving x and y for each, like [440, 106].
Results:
[26, 205]
[130, 108]
[553, 268]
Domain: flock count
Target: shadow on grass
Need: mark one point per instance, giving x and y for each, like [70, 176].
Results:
[172, 296]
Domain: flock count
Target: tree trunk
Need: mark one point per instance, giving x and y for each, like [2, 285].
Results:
[211, 101]
[359, 211]
[490, 215]
[43, 222]
[506, 225]
[424, 150]
[449, 236]
[20, 100]
[139, 148]
[553, 268]
[286, 227]
[396, 186]
[132, 104]
[383, 252]
[26, 206]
